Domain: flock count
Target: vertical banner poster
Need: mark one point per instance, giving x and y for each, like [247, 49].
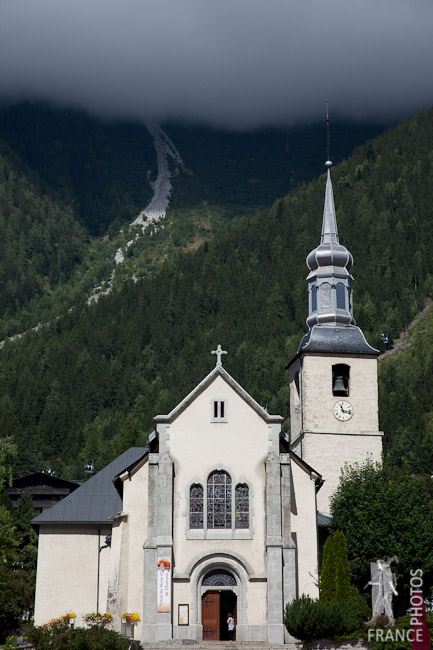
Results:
[164, 584]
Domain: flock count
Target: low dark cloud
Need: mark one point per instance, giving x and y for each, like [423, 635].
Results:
[236, 63]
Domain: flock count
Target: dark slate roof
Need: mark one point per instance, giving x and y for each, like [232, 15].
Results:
[340, 340]
[323, 521]
[94, 501]
[41, 478]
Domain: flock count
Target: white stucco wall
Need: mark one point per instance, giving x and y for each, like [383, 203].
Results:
[318, 400]
[240, 446]
[318, 437]
[328, 453]
[304, 530]
[135, 499]
[67, 571]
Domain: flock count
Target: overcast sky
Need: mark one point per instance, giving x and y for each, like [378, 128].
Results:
[235, 63]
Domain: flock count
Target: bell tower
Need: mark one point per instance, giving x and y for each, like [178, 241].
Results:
[333, 377]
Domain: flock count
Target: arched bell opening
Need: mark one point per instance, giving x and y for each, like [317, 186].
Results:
[340, 380]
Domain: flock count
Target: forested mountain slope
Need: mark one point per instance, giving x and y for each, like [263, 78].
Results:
[71, 185]
[89, 387]
[40, 243]
[406, 397]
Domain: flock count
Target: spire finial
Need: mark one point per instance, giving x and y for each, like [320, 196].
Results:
[328, 162]
[219, 351]
[329, 225]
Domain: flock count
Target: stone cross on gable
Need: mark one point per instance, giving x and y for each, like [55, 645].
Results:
[219, 351]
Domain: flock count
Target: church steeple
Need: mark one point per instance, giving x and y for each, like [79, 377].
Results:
[329, 281]
[333, 377]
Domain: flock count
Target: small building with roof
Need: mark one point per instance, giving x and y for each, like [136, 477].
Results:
[45, 489]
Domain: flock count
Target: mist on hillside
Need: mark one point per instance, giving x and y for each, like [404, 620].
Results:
[233, 64]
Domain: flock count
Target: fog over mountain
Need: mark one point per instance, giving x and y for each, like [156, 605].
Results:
[231, 63]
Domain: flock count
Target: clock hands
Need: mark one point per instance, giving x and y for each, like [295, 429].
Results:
[343, 410]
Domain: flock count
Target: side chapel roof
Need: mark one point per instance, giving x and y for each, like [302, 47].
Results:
[96, 500]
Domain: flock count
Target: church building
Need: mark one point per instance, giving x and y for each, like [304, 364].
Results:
[220, 513]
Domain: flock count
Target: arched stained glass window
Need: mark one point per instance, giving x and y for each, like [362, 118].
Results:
[242, 506]
[219, 500]
[196, 506]
[341, 298]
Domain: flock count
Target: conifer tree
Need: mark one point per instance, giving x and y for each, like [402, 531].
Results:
[342, 571]
[327, 574]
[335, 574]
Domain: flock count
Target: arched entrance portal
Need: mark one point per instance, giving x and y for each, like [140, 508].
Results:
[217, 604]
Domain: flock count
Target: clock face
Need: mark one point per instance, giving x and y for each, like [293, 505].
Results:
[343, 410]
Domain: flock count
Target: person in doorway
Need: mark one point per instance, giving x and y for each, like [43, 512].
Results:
[230, 626]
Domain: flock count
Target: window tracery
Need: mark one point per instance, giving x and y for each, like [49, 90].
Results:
[219, 500]
[219, 578]
[242, 506]
[196, 506]
[218, 506]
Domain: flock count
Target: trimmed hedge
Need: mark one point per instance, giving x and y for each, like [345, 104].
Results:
[60, 637]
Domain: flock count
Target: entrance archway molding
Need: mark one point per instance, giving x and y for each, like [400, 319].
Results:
[197, 570]
[222, 554]
[228, 563]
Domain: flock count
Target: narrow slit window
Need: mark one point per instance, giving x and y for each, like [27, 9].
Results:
[219, 411]
[298, 392]
[314, 298]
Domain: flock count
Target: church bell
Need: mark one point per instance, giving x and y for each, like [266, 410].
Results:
[339, 387]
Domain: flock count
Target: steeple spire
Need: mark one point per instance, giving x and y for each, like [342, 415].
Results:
[329, 281]
[329, 224]
[330, 321]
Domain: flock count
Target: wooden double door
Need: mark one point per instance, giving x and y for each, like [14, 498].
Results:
[216, 605]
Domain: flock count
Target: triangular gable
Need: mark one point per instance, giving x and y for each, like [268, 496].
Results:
[217, 371]
[96, 500]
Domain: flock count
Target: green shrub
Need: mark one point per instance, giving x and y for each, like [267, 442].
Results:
[354, 612]
[63, 636]
[307, 618]
[304, 618]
